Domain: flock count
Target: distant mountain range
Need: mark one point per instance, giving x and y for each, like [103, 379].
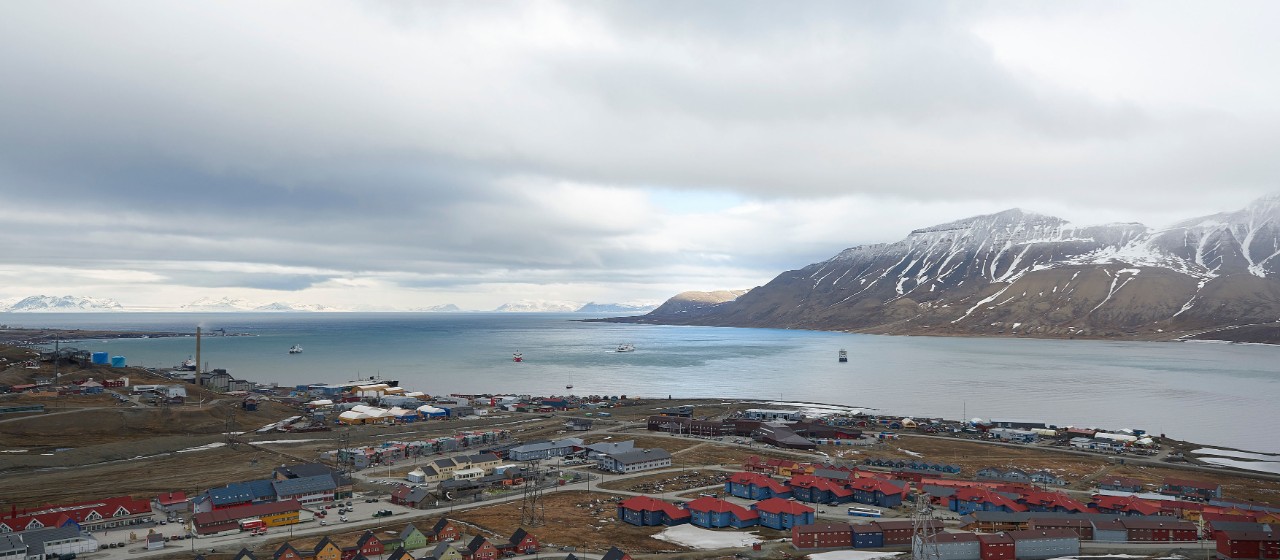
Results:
[63, 304]
[1021, 273]
[79, 304]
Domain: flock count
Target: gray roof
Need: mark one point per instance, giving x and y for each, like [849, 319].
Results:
[939, 491]
[613, 447]
[304, 485]
[482, 458]
[10, 542]
[831, 474]
[440, 550]
[640, 456]
[36, 538]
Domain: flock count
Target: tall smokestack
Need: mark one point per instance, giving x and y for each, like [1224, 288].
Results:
[199, 367]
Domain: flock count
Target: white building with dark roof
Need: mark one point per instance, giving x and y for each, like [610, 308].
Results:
[635, 461]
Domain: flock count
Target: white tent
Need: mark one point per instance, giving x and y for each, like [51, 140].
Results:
[416, 476]
[429, 411]
[353, 417]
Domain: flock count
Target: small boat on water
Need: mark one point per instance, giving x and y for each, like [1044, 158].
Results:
[295, 349]
[517, 357]
[187, 365]
[626, 348]
[844, 355]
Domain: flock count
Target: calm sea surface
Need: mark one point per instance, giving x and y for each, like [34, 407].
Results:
[1220, 394]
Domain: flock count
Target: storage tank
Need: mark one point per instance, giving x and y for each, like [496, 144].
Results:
[101, 358]
[117, 361]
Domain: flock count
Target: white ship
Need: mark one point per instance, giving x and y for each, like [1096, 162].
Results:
[295, 349]
[626, 348]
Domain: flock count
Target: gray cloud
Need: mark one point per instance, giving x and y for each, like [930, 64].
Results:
[436, 146]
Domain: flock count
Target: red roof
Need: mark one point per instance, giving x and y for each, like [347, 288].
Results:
[229, 515]
[1051, 500]
[58, 515]
[172, 498]
[759, 480]
[717, 505]
[1125, 503]
[646, 503]
[1184, 483]
[819, 483]
[984, 496]
[875, 484]
[779, 505]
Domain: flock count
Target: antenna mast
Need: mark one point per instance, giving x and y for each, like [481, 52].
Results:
[924, 531]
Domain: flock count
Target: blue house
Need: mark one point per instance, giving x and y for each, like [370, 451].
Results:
[867, 536]
[713, 513]
[755, 486]
[781, 514]
[644, 511]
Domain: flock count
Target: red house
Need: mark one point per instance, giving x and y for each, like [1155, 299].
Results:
[90, 516]
[524, 542]
[367, 545]
[1083, 528]
[1248, 545]
[822, 535]
[442, 531]
[995, 546]
[1159, 530]
[480, 549]
[900, 532]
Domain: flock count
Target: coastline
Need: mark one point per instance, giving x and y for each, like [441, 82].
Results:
[1259, 333]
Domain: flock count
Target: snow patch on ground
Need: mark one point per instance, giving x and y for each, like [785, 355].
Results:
[214, 445]
[815, 410]
[909, 452]
[1259, 466]
[280, 441]
[852, 555]
[706, 539]
[1236, 454]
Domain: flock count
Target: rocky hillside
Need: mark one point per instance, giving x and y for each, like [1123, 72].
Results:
[1019, 273]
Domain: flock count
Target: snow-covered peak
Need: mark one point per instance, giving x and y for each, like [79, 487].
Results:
[1009, 221]
[292, 306]
[218, 304]
[538, 306]
[53, 304]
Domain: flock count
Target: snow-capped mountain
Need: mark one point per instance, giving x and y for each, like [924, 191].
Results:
[237, 305]
[55, 304]
[288, 306]
[538, 306]
[209, 304]
[1017, 272]
[446, 308]
[634, 307]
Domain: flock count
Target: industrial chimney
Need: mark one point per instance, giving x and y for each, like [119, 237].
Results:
[199, 364]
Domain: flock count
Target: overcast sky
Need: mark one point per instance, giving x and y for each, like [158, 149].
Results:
[406, 154]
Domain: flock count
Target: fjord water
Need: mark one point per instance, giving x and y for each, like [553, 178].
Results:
[1218, 394]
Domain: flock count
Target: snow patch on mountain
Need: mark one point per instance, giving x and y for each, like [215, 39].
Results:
[538, 306]
[55, 304]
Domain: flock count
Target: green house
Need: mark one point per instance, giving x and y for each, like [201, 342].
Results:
[411, 538]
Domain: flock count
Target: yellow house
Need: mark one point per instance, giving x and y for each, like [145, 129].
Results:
[278, 519]
[327, 550]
